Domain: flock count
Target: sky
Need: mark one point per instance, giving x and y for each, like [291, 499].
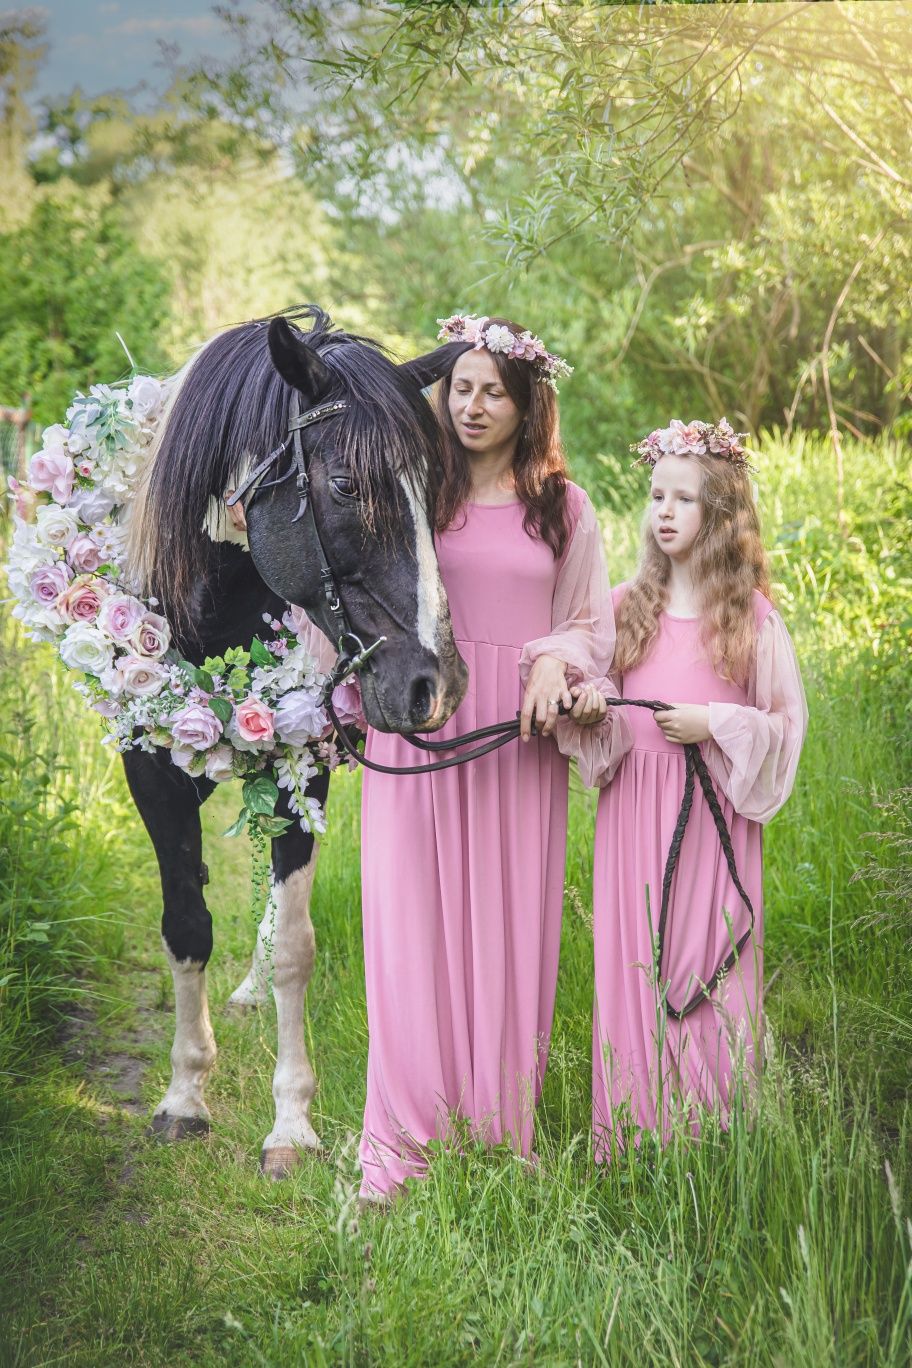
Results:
[103, 45]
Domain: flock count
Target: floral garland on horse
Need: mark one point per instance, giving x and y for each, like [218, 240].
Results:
[253, 714]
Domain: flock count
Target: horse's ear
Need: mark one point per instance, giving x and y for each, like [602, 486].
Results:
[298, 364]
[426, 370]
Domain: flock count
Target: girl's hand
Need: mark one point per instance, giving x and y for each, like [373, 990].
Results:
[590, 707]
[684, 723]
[545, 691]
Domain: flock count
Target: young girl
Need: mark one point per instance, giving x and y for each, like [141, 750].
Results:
[696, 629]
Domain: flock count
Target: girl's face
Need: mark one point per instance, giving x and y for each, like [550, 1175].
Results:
[676, 514]
[484, 416]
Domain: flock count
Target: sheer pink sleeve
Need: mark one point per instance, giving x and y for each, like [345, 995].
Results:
[754, 750]
[318, 645]
[582, 635]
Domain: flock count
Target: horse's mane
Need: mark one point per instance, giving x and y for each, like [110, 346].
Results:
[229, 407]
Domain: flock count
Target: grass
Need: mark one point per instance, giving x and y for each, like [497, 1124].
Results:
[786, 1241]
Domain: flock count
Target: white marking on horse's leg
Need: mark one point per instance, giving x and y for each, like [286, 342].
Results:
[254, 991]
[430, 588]
[293, 1084]
[193, 1052]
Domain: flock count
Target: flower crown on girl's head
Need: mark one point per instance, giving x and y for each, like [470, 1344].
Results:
[500, 339]
[694, 439]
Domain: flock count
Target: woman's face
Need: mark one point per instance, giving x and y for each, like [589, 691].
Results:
[484, 416]
[676, 515]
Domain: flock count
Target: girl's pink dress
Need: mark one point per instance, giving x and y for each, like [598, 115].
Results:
[463, 871]
[757, 733]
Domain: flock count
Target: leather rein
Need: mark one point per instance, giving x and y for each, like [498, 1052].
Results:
[354, 655]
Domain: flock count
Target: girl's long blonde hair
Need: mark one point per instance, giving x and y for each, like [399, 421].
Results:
[728, 563]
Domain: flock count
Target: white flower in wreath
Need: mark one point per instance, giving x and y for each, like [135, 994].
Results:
[499, 339]
[146, 395]
[55, 526]
[91, 505]
[139, 676]
[299, 718]
[55, 440]
[220, 764]
[84, 647]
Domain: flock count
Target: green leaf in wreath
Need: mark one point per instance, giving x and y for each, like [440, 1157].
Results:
[214, 664]
[260, 655]
[204, 680]
[239, 682]
[238, 826]
[222, 709]
[236, 655]
[272, 826]
[261, 795]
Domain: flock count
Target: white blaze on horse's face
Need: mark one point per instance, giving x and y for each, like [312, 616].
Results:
[431, 615]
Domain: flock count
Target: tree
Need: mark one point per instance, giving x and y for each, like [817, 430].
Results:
[70, 278]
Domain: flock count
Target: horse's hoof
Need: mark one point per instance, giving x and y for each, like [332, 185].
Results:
[280, 1161]
[245, 999]
[168, 1129]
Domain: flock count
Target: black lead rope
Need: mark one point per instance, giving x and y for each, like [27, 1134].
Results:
[694, 768]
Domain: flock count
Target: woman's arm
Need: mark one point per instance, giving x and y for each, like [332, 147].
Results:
[573, 662]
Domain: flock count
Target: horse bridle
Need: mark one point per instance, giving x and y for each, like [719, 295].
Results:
[353, 655]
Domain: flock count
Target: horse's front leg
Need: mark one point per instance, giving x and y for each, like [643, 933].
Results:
[169, 803]
[292, 954]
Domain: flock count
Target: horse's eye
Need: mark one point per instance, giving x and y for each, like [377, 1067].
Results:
[344, 486]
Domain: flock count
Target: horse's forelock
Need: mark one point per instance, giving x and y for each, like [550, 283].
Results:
[231, 406]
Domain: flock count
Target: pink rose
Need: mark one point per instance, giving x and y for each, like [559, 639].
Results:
[48, 582]
[152, 637]
[346, 700]
[25, 500]
[195, 727]
[82, 601]
[254, 720]
[121, 616]
[139, 677]
[54, 472]
[84, 553]
[680, 439]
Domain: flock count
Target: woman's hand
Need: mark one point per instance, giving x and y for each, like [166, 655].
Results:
[545, 691]
[684, 723]
[590, 707]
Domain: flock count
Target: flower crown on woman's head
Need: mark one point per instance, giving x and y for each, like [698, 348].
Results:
[694, 439]
[498, 338]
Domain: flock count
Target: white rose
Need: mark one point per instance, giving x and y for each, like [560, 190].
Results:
[54, 440]
[145, 394]
[84, 647]
[139, 677]
[219, 765]
[92, 505]
[54, 526]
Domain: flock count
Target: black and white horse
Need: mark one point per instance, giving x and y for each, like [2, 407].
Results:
[371, 463]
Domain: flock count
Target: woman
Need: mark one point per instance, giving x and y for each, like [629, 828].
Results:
[463, 871]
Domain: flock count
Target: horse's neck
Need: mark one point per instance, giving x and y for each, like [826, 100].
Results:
[227, 607]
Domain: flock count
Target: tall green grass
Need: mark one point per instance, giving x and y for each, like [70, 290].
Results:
[785, 1241]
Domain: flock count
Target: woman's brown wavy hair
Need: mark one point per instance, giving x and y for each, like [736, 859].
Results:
[727, 562]
[539, 465]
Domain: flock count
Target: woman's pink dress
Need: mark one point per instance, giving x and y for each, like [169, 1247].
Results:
[463, 871]
[757, 733]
